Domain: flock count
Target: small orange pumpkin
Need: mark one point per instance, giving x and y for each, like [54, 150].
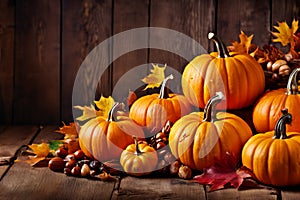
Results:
[274, 156]
[201, 139]
[266, 112]
[105, 139]
[153, 111]
[239, 76]
[139, 159]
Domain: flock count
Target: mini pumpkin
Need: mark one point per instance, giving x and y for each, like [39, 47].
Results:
[239, 76]
[105, 138]
[201, 139]
[266, 111]
[139, 159]
[274, 156]
[154, 110]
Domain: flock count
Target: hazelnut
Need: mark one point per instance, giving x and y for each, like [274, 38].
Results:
[76, 171]
[85, 170]
[67, 171]
[185, 172]
[56, 164]
[174, 167]
[70, 164]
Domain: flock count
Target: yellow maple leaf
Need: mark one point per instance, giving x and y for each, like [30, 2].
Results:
[88, 112]
[156, 77]
[244, 44]
[104, 105]
[70, 131]
[285, 33]
[40, 150]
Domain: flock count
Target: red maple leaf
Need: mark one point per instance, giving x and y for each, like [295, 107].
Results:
[223, 173]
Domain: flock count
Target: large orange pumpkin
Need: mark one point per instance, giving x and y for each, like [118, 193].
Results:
[274, 156]
[201, 139]
[266, 112]
[105, 138]
[239, 76]
[153, 111]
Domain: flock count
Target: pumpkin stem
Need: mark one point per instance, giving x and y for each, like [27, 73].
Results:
[163, 93]
[221, 48]
[137, 149]
[113, 111]
[209, 110]
[292, 85]
[280, 127]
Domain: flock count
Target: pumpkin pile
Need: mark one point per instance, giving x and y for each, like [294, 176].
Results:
[185, 134]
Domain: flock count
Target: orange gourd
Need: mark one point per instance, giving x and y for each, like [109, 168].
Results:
[266, 112]
[274, 156]
[201, 139]
[105, 138]
[239, 76]
[139, 159]
[153, 111]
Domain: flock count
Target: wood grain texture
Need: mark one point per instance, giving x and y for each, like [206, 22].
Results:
[37, 68]
[285, 10]
[158, 188]
[194, 19]
[11, 139]
[85, 24]
[260, 193]
[126, 74]
[290, 194]
[7, 25]
[252, 17]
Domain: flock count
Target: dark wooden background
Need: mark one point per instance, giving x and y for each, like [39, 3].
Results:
[43, 43]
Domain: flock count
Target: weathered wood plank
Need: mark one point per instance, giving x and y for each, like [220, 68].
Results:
[252, 17]
[42, 183]
[193, 18]
[256, 193]
[129, 14]
[25, 182]
[290, 194]
[37, 68]
[7, 26]
[285, 10]
[158, 188]
[11, 139]
[85, 24]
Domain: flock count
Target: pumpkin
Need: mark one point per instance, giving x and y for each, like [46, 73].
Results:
[201, 139]
[105, 138]
[239, 76]
[154, 110]
[139, 159]
[274, 156]
[266, 111]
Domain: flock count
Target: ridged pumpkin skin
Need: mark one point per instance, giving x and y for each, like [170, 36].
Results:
[141, 162]
[154, 110]
[274, 161]
[105, 139]
[239, 76]
[200, 143]
[267, 110]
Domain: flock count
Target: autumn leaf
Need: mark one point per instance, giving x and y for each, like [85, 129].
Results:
[88, 112]
[156, 77]
[104, 105]
[40, 150]
[223, 173]
[244, 45]
[70, 131]
[285, 33]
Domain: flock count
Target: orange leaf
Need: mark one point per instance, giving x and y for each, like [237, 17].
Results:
[68, 130]
[40, 150]
[156, 77]
[285, 33]
[244, 44]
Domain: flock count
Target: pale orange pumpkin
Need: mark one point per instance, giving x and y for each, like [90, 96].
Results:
[105, 138]
[239, 76]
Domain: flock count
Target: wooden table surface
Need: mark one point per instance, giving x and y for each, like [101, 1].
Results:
[21, 181]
